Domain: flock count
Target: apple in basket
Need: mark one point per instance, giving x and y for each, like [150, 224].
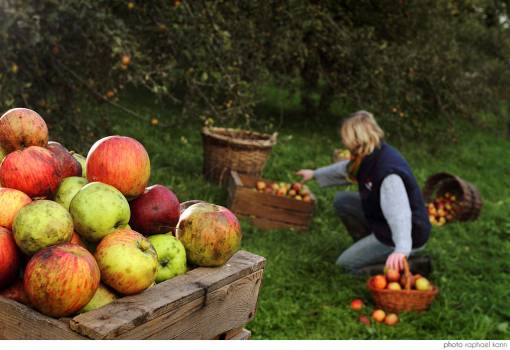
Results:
[378, 282]
[423, 284]
[21, 128]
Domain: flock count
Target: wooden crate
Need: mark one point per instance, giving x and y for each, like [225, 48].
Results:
[205, 303]
[266, 210]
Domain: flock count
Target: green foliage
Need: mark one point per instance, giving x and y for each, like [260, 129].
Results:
[408, 61]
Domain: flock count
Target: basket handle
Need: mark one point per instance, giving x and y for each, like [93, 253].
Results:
[407, 274]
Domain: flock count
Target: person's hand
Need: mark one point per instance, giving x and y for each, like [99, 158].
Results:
[306, 174]
[395, 261]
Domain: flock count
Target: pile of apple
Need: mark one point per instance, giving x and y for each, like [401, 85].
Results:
[76, 232]
[378, 315]
[442, 209]
[296, 191]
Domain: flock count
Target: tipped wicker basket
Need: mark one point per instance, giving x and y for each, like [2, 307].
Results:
[403, 300]
[232, 149]
[469, 199]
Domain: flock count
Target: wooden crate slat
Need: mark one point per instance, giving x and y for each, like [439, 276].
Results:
[268, 224]
[168, 297]
[18, 321]
[231, 306]
[244, 334]
[254, 198]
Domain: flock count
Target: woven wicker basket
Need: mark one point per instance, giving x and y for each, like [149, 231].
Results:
[403, 300]
[231, 149]
[469, 199]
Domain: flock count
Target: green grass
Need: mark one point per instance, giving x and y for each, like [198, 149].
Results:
[304, 295]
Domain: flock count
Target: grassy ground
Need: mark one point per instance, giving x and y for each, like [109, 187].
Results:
[304, 295]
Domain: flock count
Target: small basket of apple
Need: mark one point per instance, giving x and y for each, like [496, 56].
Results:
[396, 292]
[450, 198]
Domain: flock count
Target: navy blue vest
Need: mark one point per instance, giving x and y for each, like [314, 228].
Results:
[385, 161]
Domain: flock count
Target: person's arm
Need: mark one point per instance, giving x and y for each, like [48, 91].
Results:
[331, 175]
[397, 212]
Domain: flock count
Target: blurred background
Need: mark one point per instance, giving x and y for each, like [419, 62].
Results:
[435, 73]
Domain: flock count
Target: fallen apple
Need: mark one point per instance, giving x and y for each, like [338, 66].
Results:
[156, 211]
[67, 189]
[9, 258]
[34, 171]
[365, 320]
[121, 162]
[128, 261]
[11, 202]
[391, 319]
[103, 296]
[97, 210]
[41, 224]
[378, 316]
[210, 233]
[171, 256]
[21, 128]
[357, 304]
[60, 280]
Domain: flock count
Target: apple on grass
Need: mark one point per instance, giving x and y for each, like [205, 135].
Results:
[68, 165]
[60, 280]
[211, 234]
[171, 256]
[11, 202]
[97, 210]
[391, 319]
[378, 316]
[41, 224]
[34, 171]
[128, 261]
[156, 211]
[67, 189]
[102, 297]
[121, 162]
[10, 258]
[357, 304]
[21, 128]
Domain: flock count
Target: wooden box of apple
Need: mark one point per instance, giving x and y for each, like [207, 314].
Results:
[271, 205]
[80, 261]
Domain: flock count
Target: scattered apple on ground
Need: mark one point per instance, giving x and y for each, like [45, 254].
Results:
[97, 210]
[171, 256]
[127, 260]
[391, 319]
[378, 315]
[210, 233]
[41, 224]
[357, 304]
[62, 270]
[9, 258]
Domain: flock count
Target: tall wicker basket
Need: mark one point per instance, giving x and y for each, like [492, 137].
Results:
[232, 149]
[469, 198]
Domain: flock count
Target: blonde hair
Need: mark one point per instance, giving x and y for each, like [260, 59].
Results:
[361, 134]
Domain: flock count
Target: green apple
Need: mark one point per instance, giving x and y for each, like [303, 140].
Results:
[171, 256]
[98, 210]
[41, 224]
[3, 153]
[102, 297]
[423, 284]
[68, 189]
[83, 162]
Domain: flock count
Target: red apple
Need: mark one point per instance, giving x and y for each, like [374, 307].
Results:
[16, 292]
[9, 258]
[392, 275]
[391, 319]
[210, 234]
[365, 320]
[357, 304]
[297, 187]
[21, 128]
[60, 280]
[121, 162]
[33, 170]
[68, 165]
[156, 211]
[379, 282]
[378, 315]
[11, 202]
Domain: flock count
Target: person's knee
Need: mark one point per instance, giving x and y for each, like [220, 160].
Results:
[343, 202]
[347, 262]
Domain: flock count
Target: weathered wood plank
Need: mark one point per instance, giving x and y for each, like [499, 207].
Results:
[244, 334]
[170, 297]
[20, 322]
[229, 307]
[268, 224]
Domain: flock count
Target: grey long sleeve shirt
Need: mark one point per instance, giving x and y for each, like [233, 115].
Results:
[394, 202]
